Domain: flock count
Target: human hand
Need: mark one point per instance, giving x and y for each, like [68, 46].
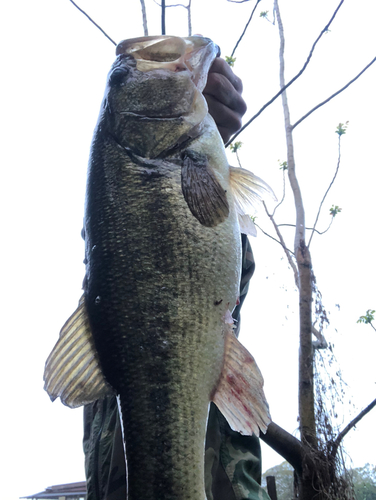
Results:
[223, 94]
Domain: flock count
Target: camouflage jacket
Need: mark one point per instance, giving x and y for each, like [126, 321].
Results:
[232, 461]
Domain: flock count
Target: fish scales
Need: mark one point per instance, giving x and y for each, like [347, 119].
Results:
[164, 310]
[163, 258]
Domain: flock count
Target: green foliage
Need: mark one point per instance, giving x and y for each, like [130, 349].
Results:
[234, 147]
[368, 317]
[284, 480]
[335, 210]
[230, 60]
[364, 480]
[341, 128]
[283, 165]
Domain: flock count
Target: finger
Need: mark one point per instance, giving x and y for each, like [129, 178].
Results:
[225, 118]
[225, 134]
[220, 66]
[219, 87]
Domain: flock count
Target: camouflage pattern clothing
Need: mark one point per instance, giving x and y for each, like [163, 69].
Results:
[232, 461]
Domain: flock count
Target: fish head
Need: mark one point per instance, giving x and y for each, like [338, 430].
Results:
[154, 98]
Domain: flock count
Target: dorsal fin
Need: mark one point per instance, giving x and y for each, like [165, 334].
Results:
[72, 369]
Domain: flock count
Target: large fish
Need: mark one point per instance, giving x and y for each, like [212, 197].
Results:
[163, 260]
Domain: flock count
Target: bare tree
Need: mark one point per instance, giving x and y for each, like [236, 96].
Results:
[314, 456]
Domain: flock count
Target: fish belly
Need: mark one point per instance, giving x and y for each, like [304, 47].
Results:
[158, 286]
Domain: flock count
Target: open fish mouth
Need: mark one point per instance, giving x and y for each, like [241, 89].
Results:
[172, 53]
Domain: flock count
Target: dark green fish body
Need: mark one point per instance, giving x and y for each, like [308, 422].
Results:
[167, 314]
[162, 268]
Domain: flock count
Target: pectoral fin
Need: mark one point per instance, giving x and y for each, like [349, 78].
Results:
[248, 190]
[239, 394]
[72, 369]
[203, 193]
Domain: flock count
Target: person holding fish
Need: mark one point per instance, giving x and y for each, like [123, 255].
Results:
[167, 270]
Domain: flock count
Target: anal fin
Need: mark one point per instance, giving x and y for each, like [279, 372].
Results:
[72, 370]
[239, 394]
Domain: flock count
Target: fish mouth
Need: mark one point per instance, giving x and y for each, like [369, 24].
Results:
[176, 54]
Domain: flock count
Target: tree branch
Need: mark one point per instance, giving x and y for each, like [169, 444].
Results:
[300, 219]
[321, 342]
[189, 18]
[333, 95]
[327, 191]
[246, 26]
[309, 228]
[163, 6]
[352, 424]
[283, 195]
[188, 7]
[274, 239]
[287, 252]
[291, 81]
[90, 19]
[286, 445]
[144, 18]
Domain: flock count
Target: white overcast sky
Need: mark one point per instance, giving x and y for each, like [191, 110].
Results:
[54, 66]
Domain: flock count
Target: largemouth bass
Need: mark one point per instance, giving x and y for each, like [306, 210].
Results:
[163, 260]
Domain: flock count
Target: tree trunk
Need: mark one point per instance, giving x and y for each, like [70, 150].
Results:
[306, 477]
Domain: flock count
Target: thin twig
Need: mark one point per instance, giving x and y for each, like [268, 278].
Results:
[174, 5]
[272, 237]
[333, 95]
[309, 228]
[246, 27]
[284, 192]
[291, 81]
[188, 7]
[90, 19]
[286, 250]
[327, 191]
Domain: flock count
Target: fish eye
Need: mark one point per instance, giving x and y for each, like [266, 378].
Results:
[118, 75]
